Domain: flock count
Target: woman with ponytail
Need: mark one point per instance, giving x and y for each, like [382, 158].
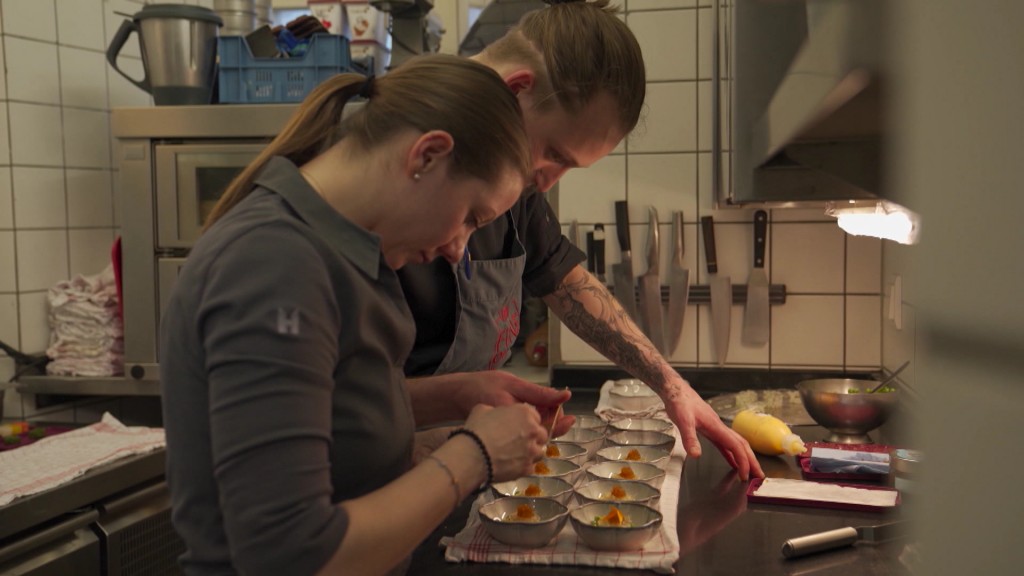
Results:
[289, 426]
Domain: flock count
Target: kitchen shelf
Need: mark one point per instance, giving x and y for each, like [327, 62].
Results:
[88, 386]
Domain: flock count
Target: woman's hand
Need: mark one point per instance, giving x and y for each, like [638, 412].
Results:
[513, 436]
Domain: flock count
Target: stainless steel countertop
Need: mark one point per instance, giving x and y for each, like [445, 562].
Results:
[719, 532]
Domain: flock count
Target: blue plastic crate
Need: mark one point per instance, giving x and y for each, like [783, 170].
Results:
[245, 79]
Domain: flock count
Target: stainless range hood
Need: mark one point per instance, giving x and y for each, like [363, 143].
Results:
[807, 101]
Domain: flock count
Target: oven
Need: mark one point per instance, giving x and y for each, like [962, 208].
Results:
[174, 163]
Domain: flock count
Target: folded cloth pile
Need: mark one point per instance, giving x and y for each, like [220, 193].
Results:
[58, 459]
[86, 333]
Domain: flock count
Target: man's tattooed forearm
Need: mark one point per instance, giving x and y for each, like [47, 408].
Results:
[608, 328]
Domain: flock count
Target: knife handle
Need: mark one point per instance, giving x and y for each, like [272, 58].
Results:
[707, 225]
[760, 237]
[591, 261]
[599, 250]
[653, 241]
[819, 542]
[622, 224]
[677, 239]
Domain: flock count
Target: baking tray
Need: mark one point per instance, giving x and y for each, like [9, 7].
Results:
[791, 410]
[804, 461]
[756, 482]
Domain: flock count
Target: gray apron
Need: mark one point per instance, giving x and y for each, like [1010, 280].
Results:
[490, 300]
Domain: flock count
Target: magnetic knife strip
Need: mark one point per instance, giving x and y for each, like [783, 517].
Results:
[701, 293]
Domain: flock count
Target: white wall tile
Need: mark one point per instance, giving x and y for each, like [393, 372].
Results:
[3, 77]
[9, 321]
[35, 328]
[808, 258]
[115, 181]
[90, 198]
[738, 354]
[808, 331]
[122, 92]
[5, 136]
[8, 278]
[42, 258]
[671, 122]
[32, 71]
[863, 328]
[632, 5]
[6, 199]
[705, 43]
[39, 199]
[31, 18]
[80, 23]
[668, 40]
[90, 250]
[112, 21]
[83, 78]
[86, 138]
[863, 264]
[666, 181]
[36, 135]
[589, 194]
[705, 123]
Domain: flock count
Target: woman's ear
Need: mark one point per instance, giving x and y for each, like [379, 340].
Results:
[428, 150]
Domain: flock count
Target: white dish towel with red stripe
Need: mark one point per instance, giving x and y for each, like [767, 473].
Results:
[660, 554]
[57, 459]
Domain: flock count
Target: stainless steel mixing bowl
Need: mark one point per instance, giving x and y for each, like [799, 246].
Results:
[849, 416]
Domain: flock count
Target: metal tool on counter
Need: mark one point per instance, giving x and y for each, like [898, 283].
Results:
[832, 539]
[599, 252]
[678, 285]
[721, 293]
[755, 314]
[890, 378]
[622, 273]
[650, 286]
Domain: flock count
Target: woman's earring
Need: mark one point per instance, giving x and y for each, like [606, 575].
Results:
[416, 176]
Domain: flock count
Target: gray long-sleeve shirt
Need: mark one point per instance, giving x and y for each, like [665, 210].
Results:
[281, 373]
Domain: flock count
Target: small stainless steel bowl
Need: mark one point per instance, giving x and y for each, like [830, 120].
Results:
[655, 424]
[643, 522]
[590, 439]
[567, 451]
[501, 521]
[646, 473]
[549, 487]
[648, 455]
[557, 468]
[590, 422]
[602, 491]
[849, 416]
[636, 438]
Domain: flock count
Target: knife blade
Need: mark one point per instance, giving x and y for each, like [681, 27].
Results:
[650, 286]
[678, 285]
[848, 536]
[755, 314]
[721, 293]
[599, 252]
[622, 273]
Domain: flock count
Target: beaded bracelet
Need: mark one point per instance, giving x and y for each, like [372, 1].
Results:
[483, 450]
[455, 483]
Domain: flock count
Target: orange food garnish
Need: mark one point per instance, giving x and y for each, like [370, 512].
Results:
[553, 451]
[533, 490]
[614, 517]
[525, 512]
[627, 473]
[541, 468]
[618, 493]
[634, 454]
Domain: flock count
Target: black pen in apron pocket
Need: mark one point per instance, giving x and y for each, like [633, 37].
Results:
[466, 260]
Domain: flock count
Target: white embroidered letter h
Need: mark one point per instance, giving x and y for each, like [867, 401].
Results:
[288, 321]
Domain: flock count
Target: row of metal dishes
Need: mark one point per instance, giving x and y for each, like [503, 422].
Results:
[605, 478]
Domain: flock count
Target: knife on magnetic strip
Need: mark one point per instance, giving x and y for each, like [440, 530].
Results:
[755, 314]
[622, 273]
[650, 286]
[678, 285]
[721, 293]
